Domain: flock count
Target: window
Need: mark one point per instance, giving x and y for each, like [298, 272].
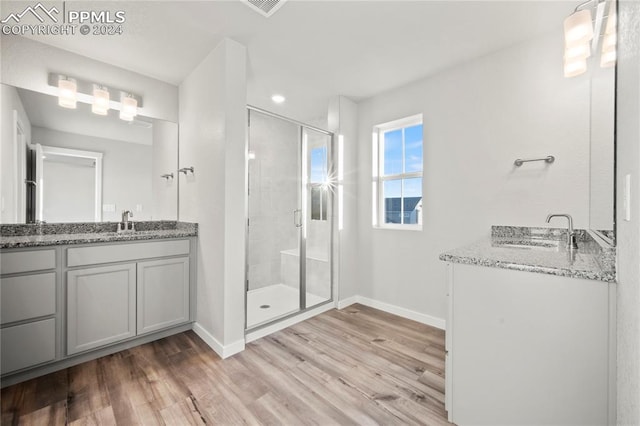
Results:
[397, 174]
[318, 183]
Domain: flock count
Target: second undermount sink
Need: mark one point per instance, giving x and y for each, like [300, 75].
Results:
[544, 245]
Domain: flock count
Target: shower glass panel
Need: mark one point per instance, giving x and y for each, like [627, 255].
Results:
[290, 218]
[273, 269]
[319, 218]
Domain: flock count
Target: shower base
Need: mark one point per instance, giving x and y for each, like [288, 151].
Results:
[269, 303]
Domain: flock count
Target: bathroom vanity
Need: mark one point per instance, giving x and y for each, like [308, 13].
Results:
[75, 296]
[530, 334]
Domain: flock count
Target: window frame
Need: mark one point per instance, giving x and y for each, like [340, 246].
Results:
[379, 178]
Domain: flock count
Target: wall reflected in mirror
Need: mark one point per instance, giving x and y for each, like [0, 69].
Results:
[70, 165]
[602, 162]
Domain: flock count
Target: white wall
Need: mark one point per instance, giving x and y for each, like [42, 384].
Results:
[27, 64]
[212, 139]
[69, 191]
[10, 101]
[478, 118]
[628, 233]
[165, 161]
[126, 170]
[343, 122]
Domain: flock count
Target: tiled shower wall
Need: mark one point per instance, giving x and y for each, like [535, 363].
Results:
[273, 196]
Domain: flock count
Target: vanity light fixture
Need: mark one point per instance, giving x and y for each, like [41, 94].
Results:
[72, 90]
[579, 31]
[128, 106]
[67, 92]
[100, 103]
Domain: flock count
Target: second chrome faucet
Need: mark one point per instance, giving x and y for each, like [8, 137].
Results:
[571, 237]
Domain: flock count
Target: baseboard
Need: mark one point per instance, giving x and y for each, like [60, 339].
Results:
[402, 312]
[288, 322]
[222, 350]
[347, 302]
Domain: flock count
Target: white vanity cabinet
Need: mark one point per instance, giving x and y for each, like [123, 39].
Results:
[107, 304]
[529, 348]
[27, 315]
[66, 304]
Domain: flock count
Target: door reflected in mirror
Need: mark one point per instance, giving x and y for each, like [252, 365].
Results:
[69, 165]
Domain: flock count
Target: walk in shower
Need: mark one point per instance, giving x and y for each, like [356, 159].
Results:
[290, 220]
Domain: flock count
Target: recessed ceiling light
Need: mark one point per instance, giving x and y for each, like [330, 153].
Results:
[278, 99]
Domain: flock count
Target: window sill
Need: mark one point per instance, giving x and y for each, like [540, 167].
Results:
[398, 227]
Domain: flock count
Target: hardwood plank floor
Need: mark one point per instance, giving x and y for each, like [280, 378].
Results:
[354, 366]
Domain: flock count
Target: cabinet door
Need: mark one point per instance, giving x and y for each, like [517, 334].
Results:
[163, 294]
[101, 307]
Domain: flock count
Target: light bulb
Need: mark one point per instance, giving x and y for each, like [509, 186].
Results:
[128, 108]
[577, 51]
[575, 67]
[100, 104]
[67, 91]
[578, 28]
[609, 42]
[608, 59]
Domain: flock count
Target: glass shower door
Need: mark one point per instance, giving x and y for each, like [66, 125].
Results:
[319, 189]
[275, 219]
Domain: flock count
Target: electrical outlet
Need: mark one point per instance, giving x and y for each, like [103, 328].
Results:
[108, 208]
[138, 207]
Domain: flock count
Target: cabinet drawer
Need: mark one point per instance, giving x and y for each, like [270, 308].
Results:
[28, 296]
[27, 261]
[27, 345]
[92, 255]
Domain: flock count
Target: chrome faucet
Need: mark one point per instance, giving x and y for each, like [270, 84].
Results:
[126, 214]
[571, 237]
[124, 225]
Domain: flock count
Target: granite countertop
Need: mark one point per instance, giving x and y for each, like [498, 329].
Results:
[14, 236]
[541, 250]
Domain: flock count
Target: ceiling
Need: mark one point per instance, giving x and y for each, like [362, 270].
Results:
[310, 51]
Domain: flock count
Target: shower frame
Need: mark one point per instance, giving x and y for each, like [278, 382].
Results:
[303, 204]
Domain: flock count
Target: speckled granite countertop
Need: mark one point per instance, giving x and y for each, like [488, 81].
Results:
[541, 250]
[14, 236]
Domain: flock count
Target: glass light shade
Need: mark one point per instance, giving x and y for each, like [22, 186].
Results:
[100, 103]
[608, 59]
[128, 108]
[577, 51]
[609, 42]
[611, 19]
[67, 93]
[575, 67]
[578, 28]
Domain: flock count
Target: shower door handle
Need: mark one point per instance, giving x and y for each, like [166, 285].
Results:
[297, 218]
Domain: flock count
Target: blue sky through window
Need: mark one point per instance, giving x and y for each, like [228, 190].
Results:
[393, 161]
[318, 165]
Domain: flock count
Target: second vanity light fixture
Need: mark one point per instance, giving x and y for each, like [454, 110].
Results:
[582, 34]
[70, 90]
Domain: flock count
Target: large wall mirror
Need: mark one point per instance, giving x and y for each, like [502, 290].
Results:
[602, 165]
[70, 165]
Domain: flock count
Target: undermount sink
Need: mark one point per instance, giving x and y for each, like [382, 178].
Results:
[545, 245]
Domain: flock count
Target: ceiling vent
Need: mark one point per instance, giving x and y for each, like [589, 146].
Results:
[265, 7]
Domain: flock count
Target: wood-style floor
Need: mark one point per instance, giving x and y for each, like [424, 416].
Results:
[355, 366]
